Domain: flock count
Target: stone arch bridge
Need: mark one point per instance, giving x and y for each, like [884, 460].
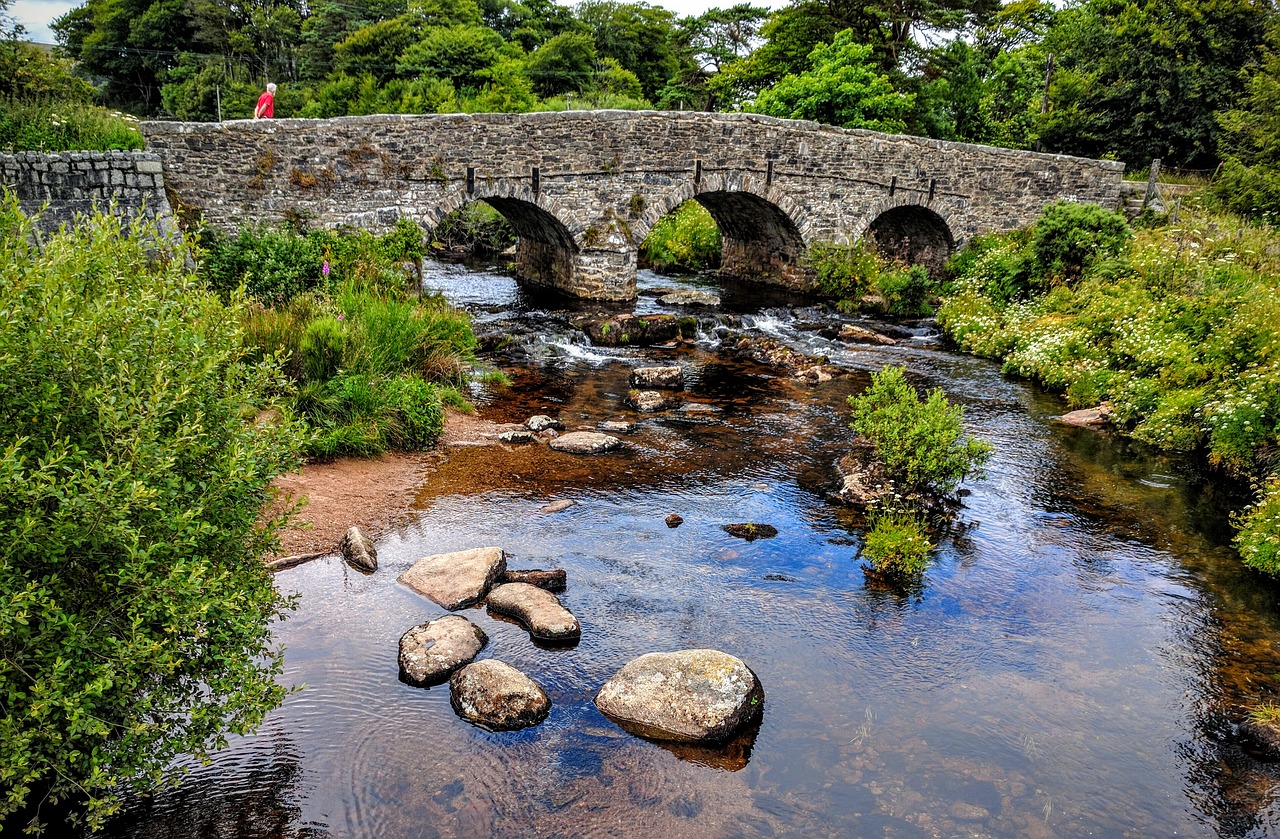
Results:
[583, 188]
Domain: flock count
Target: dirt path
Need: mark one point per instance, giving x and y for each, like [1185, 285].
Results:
[374, 494]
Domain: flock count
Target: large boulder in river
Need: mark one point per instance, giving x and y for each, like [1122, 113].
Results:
[651, 401]
[629, 330]
[1097, 417]
[456, 580]
[689, 297]
[432, 651]
[864, 478]
[585, 442]
[537, 609]
[541, 423]
[358, 551]
[495, 695]
[770, 352]
[861, 335]
[690, 696]
[651, 378]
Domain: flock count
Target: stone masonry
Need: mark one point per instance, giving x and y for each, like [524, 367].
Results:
[58, 187]
[583, 188]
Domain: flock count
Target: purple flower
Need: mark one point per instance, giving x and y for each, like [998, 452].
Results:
[325, 269]
[339, 317]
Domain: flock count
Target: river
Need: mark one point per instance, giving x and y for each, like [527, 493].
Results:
[1069, 667]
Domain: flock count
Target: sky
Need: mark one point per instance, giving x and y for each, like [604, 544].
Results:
[36, 15]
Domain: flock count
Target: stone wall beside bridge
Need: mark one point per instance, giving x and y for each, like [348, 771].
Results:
[583, 188]
[57, 187]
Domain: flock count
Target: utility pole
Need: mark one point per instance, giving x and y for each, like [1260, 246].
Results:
[217, 93]
[1044, 99]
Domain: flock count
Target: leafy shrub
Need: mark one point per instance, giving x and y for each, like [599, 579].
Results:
[686, 239]
[134, 607]
[1258, 539]
[1251, 191]
[419, 416]
[273, 265]
[52, 125]
[321, 349]
[906, 291]
[897, 544]
[476, 228]
[1069, 237]
[845, 272]
[921, 443]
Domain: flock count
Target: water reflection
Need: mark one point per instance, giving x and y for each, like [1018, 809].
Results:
[1070, 667]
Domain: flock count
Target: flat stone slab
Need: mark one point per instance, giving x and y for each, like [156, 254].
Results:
[358, 551]
[542, 422]
[432, 651]
[516, 437]
[649, 378]
[537, 609]
[691, 297]
[456, 580]
[862, 335]
[585, 442]
[554, 579]
[616, 426]
[690, 696]
[751, 531]
[1097, 417]
[651, 401]
[495, 695]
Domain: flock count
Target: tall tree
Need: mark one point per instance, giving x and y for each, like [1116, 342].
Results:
[637, 35]
[705, 45]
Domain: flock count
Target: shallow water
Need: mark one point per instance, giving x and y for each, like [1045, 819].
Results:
[1069, 668]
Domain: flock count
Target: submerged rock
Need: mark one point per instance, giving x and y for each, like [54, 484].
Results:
[495, 695]
[1097, 417]
[538, 609]
[687, 696]
[651, 401]
[768, 351]
[585, 442]
[553, 580]
[689, 297]
[629, 330]
[542, 422]
[432, 651]
[751, 532]
[556, 506]
[816, 374]
[616, 426]
[864, 478]
[649, 378]
[358, 551]
[456, 580]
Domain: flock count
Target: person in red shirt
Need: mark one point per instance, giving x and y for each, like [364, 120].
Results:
[266, 103]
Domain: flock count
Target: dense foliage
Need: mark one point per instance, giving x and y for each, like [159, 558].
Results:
[140, 443]
[1179, 332]
[374, 363]
[859, 279]
[686, 239]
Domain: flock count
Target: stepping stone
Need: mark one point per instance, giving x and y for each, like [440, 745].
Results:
[649, 378]
[456, 580]
[358, 551]
[432, 651]
[616, 426]
[542, 422]
[539, 610]
[553, 580]
[585, 442]
[495, 695]
[691, 297]
[651, 401]
[690, 696]
[516, 437]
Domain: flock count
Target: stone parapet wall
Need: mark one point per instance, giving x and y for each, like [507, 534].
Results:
[60, 186]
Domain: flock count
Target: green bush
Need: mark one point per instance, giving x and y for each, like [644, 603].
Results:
[922, 443]
[1251, 191]
[686, 239]
[476, 228]
[1069, 237]
[274, 266]
[844, 272]
[321, 349]
[135, 611]
[1258, 538]
[906, 291]
[897, 544]
[51, 125]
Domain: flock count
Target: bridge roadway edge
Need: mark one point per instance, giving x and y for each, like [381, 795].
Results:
[583, 188]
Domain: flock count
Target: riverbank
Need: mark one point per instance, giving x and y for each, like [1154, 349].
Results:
[372, 493]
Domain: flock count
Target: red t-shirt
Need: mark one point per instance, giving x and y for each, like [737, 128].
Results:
[266, 106]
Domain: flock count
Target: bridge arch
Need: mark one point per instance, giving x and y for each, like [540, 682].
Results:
[546, 248]
[761, 228]
[911, 232]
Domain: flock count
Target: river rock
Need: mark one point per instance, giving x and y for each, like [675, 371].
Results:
[516, 437]
[650, 378]
[627, 330]
[651, 401]
[817, 374]
[862, 335]
[585, 442]
[553, 580]
[674, 520]
[689, 297]
[541, 423]
[556, 506]
[751, 532]
[864, 479]
[768, 351]
[456, 580]
[616, 426]
[431, 651]
[358, 551]
[687, 696]
[495, 695]
[538, 609]
[1097, 417]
